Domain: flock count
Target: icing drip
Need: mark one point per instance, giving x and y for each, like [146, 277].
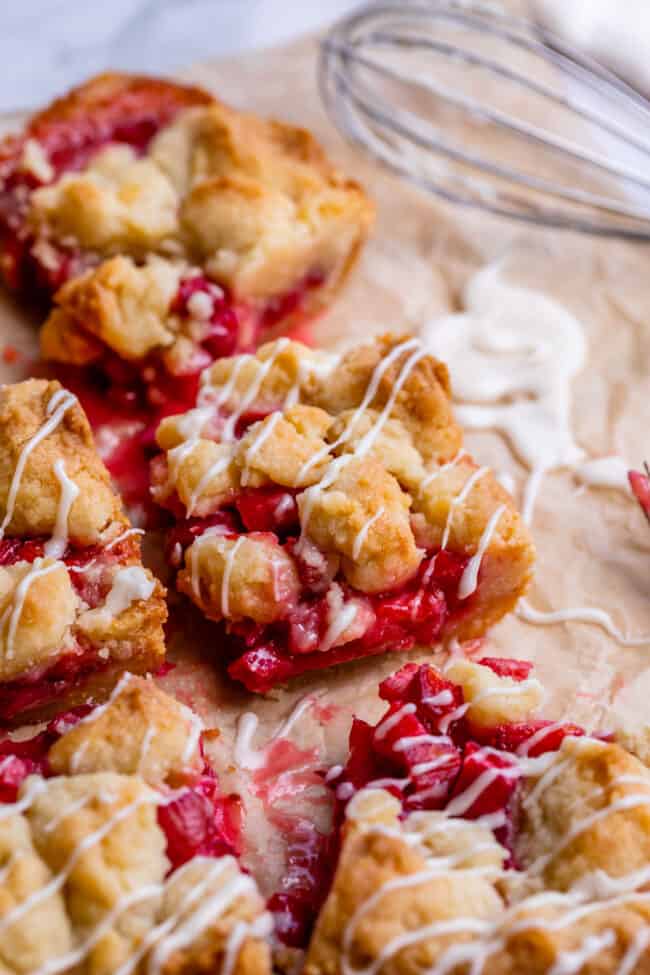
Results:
[469, 578]
[433, 475]
[227, 572]
[250, 396]
[75, 957]
[248, 757]
[11, 617]
[513, 353]
[459, 499]
[258, 442]
[57, 407]
[89, 841]
[366, 442]
[189, 928]
[213, 471]
[129, 585]
[583, 614]
[515, 373]
[57, 545]
[633, 954]
[393, 719]
[571, 962]
[605, 472]
[362, 534]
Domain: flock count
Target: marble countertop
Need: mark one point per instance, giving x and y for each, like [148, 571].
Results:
[48, 45]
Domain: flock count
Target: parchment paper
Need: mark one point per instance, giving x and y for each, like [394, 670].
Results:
[593, 544]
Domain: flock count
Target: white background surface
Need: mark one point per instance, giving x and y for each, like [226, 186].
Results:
[48, 45]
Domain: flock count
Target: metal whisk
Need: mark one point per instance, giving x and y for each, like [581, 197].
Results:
[491, 111]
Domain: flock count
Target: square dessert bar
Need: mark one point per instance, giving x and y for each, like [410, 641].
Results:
[326, 509]
[476, 837]
[171, 229]
[118, 854]
[77, 608]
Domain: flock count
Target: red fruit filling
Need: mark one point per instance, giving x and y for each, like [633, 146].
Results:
[426, 752]
[43, 686]
[91, 575]
[201, 822]
[267, 655]
[304, 885]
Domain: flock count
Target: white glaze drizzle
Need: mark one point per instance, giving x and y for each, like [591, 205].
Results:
[513, 354]
[514, 375]
[262, 371]
[338, 623]
[459, 499]
[538, 736]
[582, 614]
[469, 578]
[213, 906]
[604, 472]
[77, 955]
[362, 534]
[248, 757]
[434, 930]
[227, 572]
[634, 952]
[58, 543]
[371, 390]
[408, 741]
[435, 474]
[607, 891]
[220, 465]
[392, 720]
[625, 802]
[59, 404]
[571, 962]
[129, 585]
[11, 616]
[116, 541]
[89, 841]
[368, 439]
[266, 429]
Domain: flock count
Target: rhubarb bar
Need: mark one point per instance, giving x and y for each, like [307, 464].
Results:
[170, 228]
[475, 836]
[326, 509]
[77, 607]
[118, 854]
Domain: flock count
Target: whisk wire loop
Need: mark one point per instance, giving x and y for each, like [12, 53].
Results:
[581, 150]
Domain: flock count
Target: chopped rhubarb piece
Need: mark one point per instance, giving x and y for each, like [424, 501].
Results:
[486, 783]
[426, 751]
[544, 736]
[505, 667]
[640, 484]
[268, 510]
[200, 822]
[304, 885]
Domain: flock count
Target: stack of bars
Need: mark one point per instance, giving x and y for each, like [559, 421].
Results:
[317, 509]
